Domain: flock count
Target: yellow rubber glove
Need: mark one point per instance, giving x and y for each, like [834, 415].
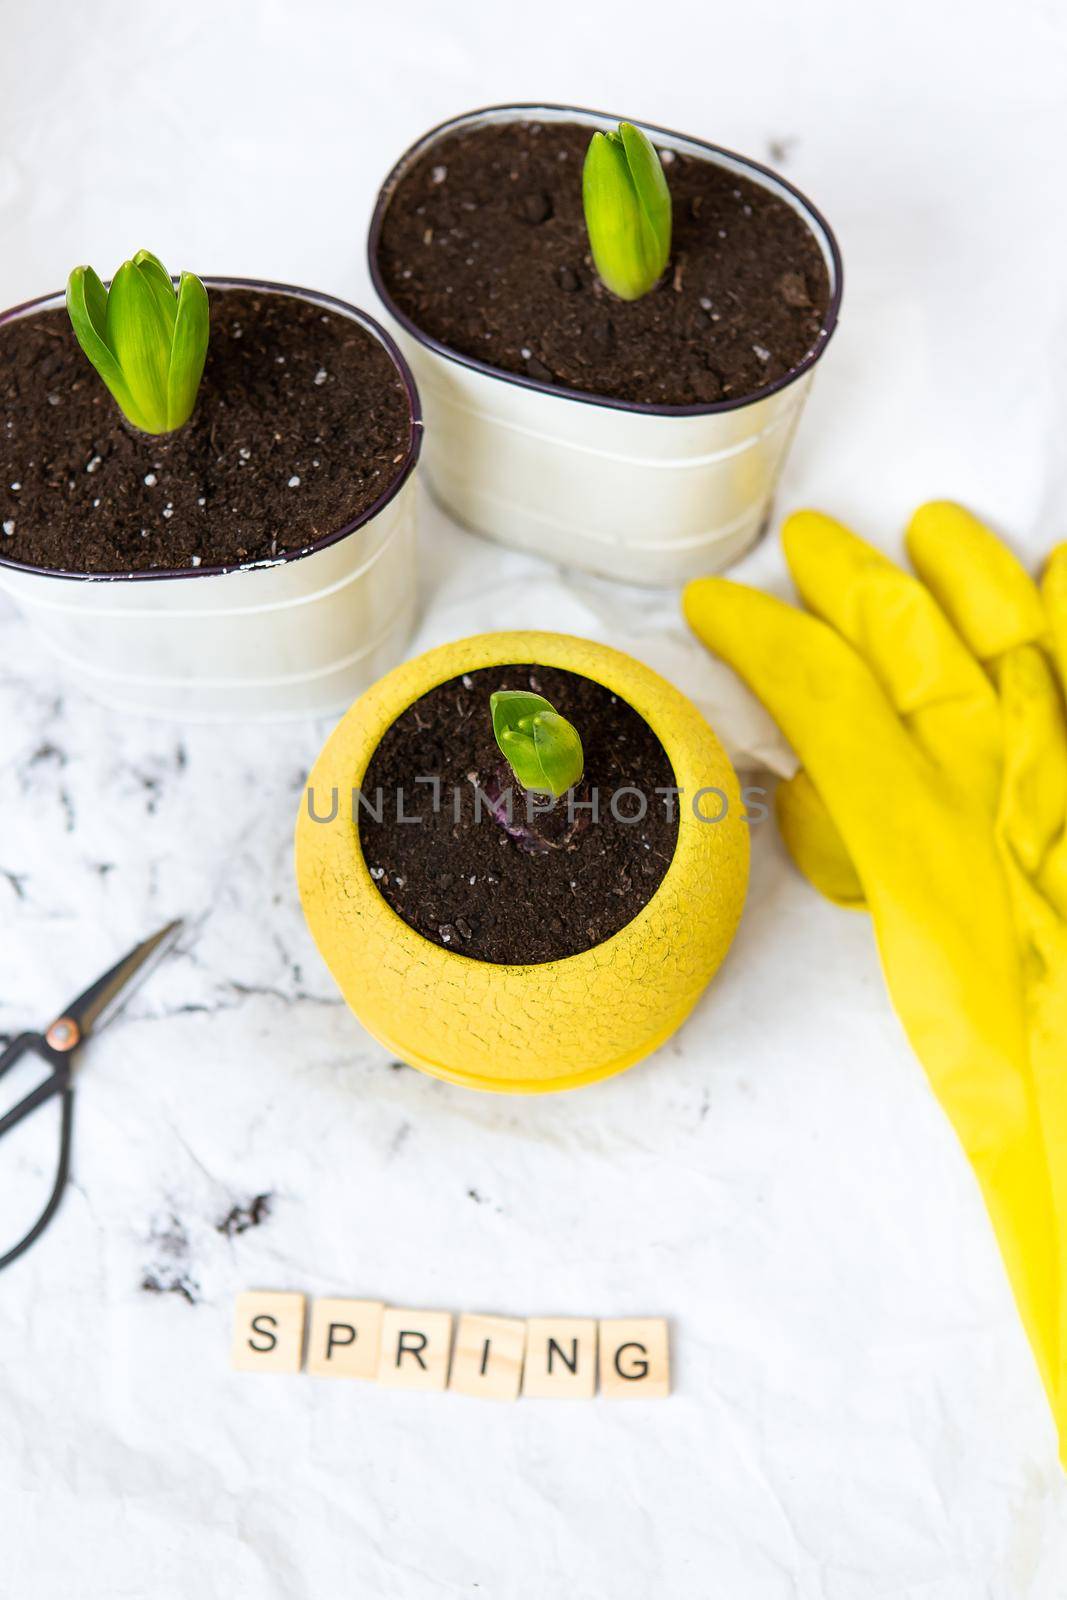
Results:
[931, 729]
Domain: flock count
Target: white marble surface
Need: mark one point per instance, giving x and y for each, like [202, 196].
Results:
[856, 1413]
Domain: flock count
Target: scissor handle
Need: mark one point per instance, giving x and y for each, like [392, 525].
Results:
[15, 1049]
[62, 1173]
[57, 1081]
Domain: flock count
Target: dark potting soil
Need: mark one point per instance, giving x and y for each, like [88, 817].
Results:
[484, 247]
[460, 878]
[300, 424]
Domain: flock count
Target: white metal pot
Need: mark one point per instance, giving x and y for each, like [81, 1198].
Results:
[648, 493]
[302, 635]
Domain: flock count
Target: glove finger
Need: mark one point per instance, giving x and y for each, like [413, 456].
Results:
[984, 590]
[1033, 806]
[1031, 828]
[1054, 594]
[933, 680]
[822, 696]
[887, 799]
[1043, 942]
[813, 841]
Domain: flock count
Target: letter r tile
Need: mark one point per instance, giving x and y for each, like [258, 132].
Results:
[415, 1348]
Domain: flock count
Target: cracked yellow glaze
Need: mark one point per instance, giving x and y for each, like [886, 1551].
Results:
[559, 1024]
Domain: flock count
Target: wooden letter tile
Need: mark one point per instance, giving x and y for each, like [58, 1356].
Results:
[560, 1358]
[268, 1332]
[487, 1360]
[344, 1338]
[635, 1362]
[415, 1349]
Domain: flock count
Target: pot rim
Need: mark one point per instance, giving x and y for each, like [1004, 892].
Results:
[287, 558]
[525, 110]
[547, 639]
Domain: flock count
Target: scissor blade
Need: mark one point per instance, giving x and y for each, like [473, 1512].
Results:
[99, 1003]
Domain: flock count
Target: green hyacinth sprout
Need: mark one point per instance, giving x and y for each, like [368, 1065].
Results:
[627, 210]
[146, 339]
[542, 748]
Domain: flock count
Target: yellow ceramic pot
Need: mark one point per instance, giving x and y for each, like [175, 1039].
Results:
[557, 1024]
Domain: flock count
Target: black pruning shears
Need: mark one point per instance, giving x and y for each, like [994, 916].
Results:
[58, 1046]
